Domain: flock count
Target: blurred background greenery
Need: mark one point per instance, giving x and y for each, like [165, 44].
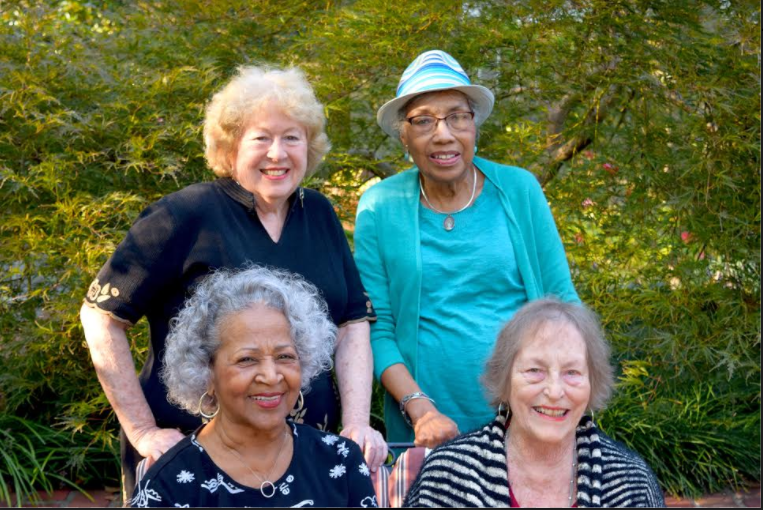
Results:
[641, 119]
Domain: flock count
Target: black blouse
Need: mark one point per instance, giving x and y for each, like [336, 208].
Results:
[181, 238]
[325, 471]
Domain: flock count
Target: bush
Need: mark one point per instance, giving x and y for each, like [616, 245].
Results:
[642, 120]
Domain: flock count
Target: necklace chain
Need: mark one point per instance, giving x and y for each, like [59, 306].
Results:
[572, 476]
[264, 482]
[449, 222]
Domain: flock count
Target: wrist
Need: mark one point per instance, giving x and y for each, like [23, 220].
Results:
[414, 405]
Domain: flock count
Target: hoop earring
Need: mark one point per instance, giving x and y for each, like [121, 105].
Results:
[300, 403]
[201, 407]
[592, 417]
[504, 411]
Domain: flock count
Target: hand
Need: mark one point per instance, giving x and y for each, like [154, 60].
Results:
[433, 428]
[370, 441]
[154, 442]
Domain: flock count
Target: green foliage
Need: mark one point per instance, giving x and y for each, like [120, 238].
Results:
[38, 457]
[641, 118]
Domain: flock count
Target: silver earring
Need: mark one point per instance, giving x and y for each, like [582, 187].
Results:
[201, 407]
[302, 197]
[504, 411]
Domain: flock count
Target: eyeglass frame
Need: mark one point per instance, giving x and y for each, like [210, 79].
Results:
[437, 120]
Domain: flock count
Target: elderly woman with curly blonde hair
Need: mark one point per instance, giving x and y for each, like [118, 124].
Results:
[264, 132]
[240, 354]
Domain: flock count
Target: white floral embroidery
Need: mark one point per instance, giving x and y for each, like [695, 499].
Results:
[363, 468]
[185, 477]
[337, 471]
[290, 478]
[329, 440]
[212, 485]
[284, 487]
[342, 449]
[144, 496]
[305, 502]
[178, 505]
[369, 501]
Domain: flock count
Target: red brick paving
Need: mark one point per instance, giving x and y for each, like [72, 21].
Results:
[103, 498]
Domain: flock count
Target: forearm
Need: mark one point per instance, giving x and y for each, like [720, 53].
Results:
[114, 366]
[354, 372]
[399, 382]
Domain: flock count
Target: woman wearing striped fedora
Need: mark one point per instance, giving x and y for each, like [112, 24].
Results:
[448, 251]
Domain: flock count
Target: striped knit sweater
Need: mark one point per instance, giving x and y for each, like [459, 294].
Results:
[470, 471]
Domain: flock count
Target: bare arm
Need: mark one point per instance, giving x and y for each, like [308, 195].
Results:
[110, 350]
[354, 372]
[430, 426]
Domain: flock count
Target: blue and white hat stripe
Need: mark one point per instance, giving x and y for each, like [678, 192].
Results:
[434, 70]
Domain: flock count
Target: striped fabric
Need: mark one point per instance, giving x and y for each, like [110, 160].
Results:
[442, 71]
[404, 472]
[470, 471]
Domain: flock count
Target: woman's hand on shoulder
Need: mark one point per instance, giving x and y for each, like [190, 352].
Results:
[371, 442]
[433, 428]
[154, 442]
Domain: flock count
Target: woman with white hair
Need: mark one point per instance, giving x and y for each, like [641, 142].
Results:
[240, 354]
[264, 132]
[548, 373]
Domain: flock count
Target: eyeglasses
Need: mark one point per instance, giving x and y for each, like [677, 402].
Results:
[456, 121]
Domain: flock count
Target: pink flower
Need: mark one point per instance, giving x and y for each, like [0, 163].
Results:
[579, 239]
[686, 237]
[610, 168]
[587, 203]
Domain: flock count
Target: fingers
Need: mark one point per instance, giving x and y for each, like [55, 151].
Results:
[371, 442]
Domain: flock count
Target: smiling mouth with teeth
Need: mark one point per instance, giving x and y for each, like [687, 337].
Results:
[274, 173]
[266, 399]
[444, 156]
[555, 413]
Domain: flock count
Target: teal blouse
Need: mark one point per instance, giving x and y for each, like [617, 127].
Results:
[389, 257]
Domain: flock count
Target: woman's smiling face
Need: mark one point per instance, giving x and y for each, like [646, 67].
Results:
[550, 385]
[256, 373]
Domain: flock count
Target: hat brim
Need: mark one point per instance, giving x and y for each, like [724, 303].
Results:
[481, 98]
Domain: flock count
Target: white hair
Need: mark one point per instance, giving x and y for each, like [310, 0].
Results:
[194, 336]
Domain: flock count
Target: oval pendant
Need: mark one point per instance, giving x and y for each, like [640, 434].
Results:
[449, 223]
[264, 486]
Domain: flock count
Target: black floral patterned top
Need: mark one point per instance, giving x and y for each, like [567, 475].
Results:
[178, 240]
[325, 471]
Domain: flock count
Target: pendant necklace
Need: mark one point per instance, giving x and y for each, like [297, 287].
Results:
[450, 222]
[267, 488]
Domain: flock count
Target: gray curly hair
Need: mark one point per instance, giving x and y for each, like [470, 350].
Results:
[194, 336]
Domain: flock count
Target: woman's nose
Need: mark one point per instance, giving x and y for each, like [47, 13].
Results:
[554, 388]
[268, 372]
[276, 150]
[442, 131]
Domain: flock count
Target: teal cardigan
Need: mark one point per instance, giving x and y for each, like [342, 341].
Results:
[388, 255]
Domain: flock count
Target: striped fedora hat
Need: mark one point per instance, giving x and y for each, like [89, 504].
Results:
[432, 71]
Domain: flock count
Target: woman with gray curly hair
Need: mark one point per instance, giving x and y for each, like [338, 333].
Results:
[240, 354]
[264, 132]
[548, 373]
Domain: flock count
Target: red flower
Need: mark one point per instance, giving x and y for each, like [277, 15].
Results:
[686, 237]
[610, 168]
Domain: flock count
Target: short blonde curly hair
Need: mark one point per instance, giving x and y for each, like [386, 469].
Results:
[252, 89]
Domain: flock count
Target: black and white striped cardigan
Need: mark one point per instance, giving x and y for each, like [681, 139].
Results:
[470, 471]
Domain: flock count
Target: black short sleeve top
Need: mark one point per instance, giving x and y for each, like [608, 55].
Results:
[184, 236]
